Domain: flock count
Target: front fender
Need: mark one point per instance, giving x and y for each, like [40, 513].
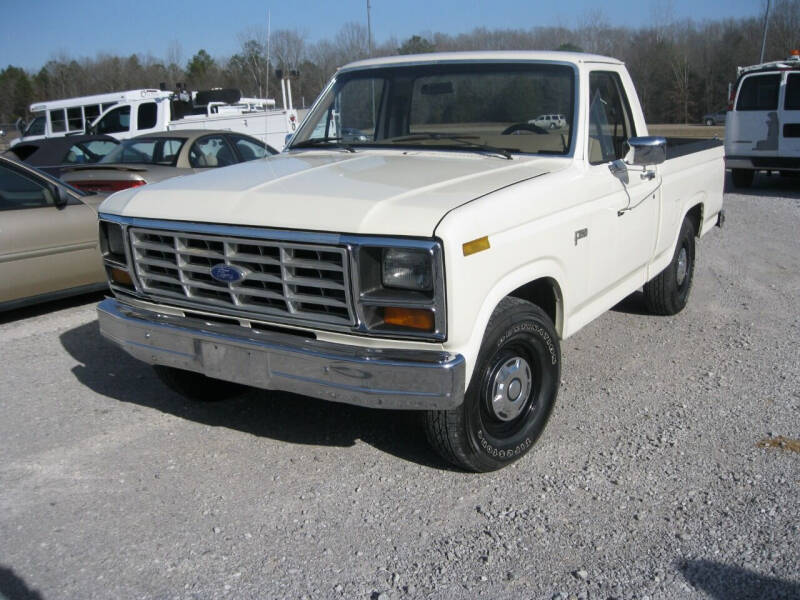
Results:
[470, 326]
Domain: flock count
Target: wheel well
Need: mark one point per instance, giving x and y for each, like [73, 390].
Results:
[545, 294]
[695, 215]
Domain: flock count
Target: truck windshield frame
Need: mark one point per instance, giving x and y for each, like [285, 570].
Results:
[486, 107]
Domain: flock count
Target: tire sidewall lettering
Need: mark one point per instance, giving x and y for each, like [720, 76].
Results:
[535, 328]
[504, 453]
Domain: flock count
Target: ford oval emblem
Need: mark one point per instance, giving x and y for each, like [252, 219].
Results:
[226, 273]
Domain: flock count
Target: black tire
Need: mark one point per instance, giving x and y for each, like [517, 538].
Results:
[668, 292]
[473, 436]
[742, 178]
[196, 386]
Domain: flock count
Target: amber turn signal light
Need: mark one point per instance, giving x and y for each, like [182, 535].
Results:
[414, 318]
[474, 246]
[121, 276]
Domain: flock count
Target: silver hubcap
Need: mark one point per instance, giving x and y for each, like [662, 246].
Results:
[683, 260]
[511, 387]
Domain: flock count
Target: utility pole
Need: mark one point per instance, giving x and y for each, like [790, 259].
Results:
[369, 28]
[764, 37]
[269, 28]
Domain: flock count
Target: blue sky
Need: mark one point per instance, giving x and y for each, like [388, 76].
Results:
[35, 31]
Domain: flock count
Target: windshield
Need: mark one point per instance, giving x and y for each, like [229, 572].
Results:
[148, 151]
[36, 126]
[505, 107]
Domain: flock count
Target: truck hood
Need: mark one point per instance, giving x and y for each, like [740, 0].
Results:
[368, 192]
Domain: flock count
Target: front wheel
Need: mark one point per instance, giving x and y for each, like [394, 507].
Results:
[510, 396]
[196, 386]
[668, 292]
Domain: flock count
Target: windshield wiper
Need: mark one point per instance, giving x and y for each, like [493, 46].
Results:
[312, 142]
[463, 140]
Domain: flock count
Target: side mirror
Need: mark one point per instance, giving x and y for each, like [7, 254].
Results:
[62, 197]
[21, 125]
[287, 139]
[647, 151]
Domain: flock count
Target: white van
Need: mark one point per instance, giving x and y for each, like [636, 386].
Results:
[762, 130]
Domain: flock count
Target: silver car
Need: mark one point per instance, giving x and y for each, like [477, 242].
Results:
[154, 157]
[48, 238]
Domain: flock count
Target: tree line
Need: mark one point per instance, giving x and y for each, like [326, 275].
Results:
[681, 69]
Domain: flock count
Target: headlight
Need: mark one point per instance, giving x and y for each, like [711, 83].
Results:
[400, 289]
[408, 269]
[112, 243]
[112, 247]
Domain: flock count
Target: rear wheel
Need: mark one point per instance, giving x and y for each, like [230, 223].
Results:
[743, 178]
[510, 396]
[196, 386]
[668, 292]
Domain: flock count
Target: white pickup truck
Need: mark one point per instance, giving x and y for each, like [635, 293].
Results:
[418, 245]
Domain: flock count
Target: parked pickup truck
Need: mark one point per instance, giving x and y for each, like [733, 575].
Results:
[418, 245]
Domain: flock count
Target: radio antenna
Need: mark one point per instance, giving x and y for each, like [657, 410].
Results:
[266, 86]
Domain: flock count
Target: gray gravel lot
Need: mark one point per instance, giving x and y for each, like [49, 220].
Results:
[648, 483]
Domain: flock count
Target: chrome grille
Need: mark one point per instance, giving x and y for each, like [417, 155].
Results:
[297, 282]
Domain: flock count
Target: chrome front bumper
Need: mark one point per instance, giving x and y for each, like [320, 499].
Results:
[373, 377]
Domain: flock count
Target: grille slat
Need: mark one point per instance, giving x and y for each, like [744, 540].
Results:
[292, 281]
[154, 246]
[324, 300]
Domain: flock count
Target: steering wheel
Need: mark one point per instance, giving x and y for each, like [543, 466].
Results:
[516, 128]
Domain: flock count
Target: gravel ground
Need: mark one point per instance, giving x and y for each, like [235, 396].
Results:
[669, 468]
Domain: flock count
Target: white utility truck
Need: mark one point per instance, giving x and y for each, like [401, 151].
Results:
[222, 109]
[420, 244]
[762, 129]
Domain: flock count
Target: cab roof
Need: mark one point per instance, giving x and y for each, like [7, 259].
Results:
[481, 56]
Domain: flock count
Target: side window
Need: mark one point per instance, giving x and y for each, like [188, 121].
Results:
[792, 101]
[211, 151]
[248, 150]
[146, 116]
[169, 151]
[75, 118]
[759, 92]
[36, 126]
[88, 152]
[18, 191]
[610, 121]
[91, 111]
[116, 121]
[57, 121]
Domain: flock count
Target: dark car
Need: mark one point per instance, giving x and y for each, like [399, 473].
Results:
[154, 157]
[717, 118]
[52, 155]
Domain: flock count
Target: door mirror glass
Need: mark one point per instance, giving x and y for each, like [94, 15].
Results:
[62, 197]
[647, 151]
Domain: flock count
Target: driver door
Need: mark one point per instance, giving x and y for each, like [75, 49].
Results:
[624, 223]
